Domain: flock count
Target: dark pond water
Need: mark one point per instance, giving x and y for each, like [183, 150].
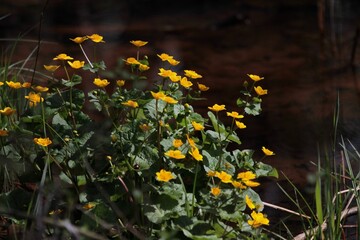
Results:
[306, 63]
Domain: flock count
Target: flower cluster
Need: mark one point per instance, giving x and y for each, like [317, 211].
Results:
[180, 173]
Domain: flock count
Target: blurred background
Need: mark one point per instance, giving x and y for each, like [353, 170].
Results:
[307, 51]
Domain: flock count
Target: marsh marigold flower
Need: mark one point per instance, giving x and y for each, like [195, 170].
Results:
[195, 153]
[211, 173]
[131, 103]
[63, 56]
[41, 89]
[101, 82]
[51, 68]
[143, 67]
[177, 143]
[7, 111]
[26, 84]
[197, 126]
[4, 133]
[217, 108]
[157, 95]
[15, 85]
[257, 220]
[192, 74]
[79, 40]
[164, 176]
[224, 177]
[177, 154]
[1, 83]
[76, 64]
[249, 202]
[34, 99]
[42, 141]
[96, 38]
[169, 74]
[234, 115]
[169, 100]
[190, 141]
[247, 177]
[138, 43]
[267, 152]
[132, 60]
[255, 77]
[120, 83]
[238, 184]
[240, 125]
[215, 191]
[260, 91]
[185, 83]
[202, 87]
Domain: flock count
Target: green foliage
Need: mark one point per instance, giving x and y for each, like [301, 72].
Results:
[151, 167]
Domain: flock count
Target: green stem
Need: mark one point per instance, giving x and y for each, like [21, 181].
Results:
[194, 188]
[185, 195]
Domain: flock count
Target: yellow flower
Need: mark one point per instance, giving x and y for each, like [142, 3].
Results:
[247, 177]
[217, 108]
[158, 95]
[144, 127]
[211, 173]
[177, 143]
[15, 85]
[196, 154]
[165, 57]
[240, 125]
[224, 177]
[255, 77]
[131, 103]
[26, 84]
[101, 82]
[215, 191]
[190, 141]
[41, 89]
[34, 99]
[76, 64]
[169, 74]
[267, 152]
[249, 202]
[143, 67]
[202, 87]
[7, 111]
[192, 74]
[237, 184]
[51, 68]
[42, 141]
[173, 62]
[1, 83]
[260, 91]
[62, 56]
[185, 83]
[96, 38]
[89, 205]
[234, 115]
[175, 154]
[55, 212]
[4, 133]
[79, 40]
[164, 176]
[197, 126]
[120, 83]
[257, 220]
[169, 100]
[138, 43]
[132, 60]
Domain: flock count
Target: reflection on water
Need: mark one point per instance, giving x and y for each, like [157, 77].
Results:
[304, 69]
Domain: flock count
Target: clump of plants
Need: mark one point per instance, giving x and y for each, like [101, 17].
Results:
[153, 168]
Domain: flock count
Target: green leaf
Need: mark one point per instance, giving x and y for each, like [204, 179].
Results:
[58, 120]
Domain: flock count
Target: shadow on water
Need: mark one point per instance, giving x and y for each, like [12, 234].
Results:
[307, 56]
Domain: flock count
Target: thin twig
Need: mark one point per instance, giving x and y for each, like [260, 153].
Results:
[286, 210]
